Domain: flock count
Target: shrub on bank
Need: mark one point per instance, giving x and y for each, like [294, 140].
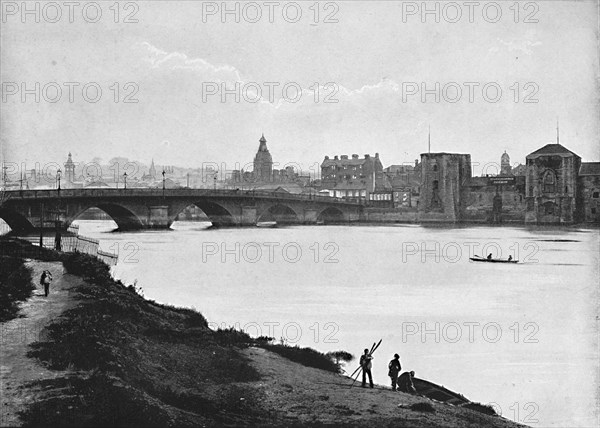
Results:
[15, 286]
[306, 356]
[89, 268]
[481, 408]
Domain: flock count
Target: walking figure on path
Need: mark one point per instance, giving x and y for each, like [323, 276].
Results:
[394, 369]
[45, 280]
[366, 365]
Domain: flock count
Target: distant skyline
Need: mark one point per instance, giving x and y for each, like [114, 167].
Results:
[171, 56]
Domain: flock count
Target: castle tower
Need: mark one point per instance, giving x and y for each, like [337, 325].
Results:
[505, 168]
[263, 162]
[69, 169]
[443, 193]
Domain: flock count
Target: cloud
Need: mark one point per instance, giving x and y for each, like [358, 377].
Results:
[157, 58]
[523, 46]
[229, 76]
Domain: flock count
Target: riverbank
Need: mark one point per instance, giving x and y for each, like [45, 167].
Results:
[107, 356]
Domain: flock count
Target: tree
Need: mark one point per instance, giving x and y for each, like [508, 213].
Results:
[340, 357]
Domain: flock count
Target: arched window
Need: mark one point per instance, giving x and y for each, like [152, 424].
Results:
[436, 185]
[435, 168]
[549, 182]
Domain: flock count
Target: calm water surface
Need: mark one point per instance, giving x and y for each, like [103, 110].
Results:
[524, 336]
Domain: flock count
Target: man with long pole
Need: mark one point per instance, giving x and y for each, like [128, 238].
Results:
[366, 364]
[369, 354]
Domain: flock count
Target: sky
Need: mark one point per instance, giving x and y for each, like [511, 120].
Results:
[360, 68]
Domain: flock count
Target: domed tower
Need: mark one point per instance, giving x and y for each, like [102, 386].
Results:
[263, 162]
[505, 168]
[69, 169]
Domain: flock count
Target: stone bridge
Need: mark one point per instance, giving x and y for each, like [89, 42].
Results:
[134, 209]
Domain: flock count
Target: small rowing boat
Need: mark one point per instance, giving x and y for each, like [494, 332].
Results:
[438, 392]
[266, 224]
[483, 259]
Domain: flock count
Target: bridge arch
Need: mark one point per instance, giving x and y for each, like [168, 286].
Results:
[331, 215]
[282, 214]
[122, 216]
[218, 215]
[15, 220]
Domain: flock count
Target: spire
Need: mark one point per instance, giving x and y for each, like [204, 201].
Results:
[263, 144]
[429, 141]
[557, 132]
[152, 170]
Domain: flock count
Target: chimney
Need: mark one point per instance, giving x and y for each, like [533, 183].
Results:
[416, 163]
[376, 155]
[335, 158]
[326, 157]
[344, 157]
[367, 156]
[354, 156]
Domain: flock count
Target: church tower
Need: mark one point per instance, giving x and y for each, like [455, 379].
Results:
[263, 162]
[505, 168]
[69, 169]
[152, 170]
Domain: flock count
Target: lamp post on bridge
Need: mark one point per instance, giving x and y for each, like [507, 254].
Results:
[215, 180]
[163, 174]
[125, 180]
[58, 173]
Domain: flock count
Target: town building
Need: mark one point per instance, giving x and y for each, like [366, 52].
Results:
[264, 176]
[505, 168]
[68, 176]
[263, 162]
[554, 188]
[354, 177]
[589, 179]
[405, 182]
[552, 185]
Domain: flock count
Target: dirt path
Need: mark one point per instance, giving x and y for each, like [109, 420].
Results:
[15, 336]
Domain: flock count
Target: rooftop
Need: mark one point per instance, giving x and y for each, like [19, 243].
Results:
[551, 149]
[589, 168]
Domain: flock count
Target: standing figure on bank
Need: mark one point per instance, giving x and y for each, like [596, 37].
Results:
[366, 365]
[405, 383]
[45, 280]
[394, 369]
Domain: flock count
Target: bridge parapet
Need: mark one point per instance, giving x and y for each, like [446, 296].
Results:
[170, 193]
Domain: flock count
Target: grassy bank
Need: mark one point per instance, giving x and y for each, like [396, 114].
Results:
[15, 286]
[141, 363]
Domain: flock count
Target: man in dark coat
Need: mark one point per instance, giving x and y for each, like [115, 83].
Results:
[394, 368]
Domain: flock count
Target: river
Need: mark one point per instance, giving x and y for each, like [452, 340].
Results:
[522, 336]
